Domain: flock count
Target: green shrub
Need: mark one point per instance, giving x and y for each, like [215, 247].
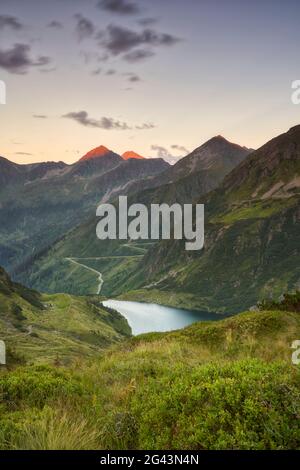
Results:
[243, 405]
[26, 394]
[35, 386]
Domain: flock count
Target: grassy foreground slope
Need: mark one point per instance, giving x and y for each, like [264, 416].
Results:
[48, 328]
[220, 385]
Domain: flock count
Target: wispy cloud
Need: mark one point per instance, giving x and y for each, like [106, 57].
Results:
[83, 118]
[84, 27]
[145, 126]
[120, 7]
[11, 22]
[55, 24]
[18, 60]
[147, 21]
[117, 40]
[138, 55]
[106, 123]
[180, 148]
[163, 152]
[132, 77]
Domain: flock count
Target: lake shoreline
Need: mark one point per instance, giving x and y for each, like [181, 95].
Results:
[148, 317]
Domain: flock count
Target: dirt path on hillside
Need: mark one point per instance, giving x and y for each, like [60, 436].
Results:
[100, 277]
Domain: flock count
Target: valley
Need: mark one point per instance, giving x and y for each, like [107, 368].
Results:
[149, 233]
[143, 345]
[251, 227]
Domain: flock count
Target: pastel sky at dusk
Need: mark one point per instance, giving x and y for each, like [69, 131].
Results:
[157, 76]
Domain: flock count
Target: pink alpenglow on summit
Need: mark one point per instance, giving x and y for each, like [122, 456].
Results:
[98, 152]
[131, 154]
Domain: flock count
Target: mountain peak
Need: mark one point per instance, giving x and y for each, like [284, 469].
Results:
[97, 152]
[219, 139]
[294, 130]
[131, 154]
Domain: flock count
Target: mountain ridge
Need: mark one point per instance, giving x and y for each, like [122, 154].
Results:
[131, 154]
[252, 232]
[37, 208]
[185, 190]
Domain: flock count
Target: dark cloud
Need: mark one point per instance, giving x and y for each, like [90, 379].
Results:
[39, 116]
[147, 21]
[121, 7]
[84, 27]
[117, 40]
[180, 148]
[24, 153]
[55, 25]
[138, 55]
[83, 118]
[106, 123]
[133, 77]
[7, 21]
[111, 72]
[18, 60]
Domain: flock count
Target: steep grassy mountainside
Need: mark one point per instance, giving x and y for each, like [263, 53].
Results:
[55, 328]
[221, 385]
[36, 212]
[200, 172]
[251, 241]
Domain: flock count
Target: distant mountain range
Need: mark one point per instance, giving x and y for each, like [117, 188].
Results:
[190, 178]
[252, 234]
[40, 202]
[14, 173]
[252, 226]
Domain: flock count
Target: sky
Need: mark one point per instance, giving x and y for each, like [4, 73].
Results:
[159, 77]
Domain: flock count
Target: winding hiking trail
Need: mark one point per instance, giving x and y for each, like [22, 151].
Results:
[100, 277]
